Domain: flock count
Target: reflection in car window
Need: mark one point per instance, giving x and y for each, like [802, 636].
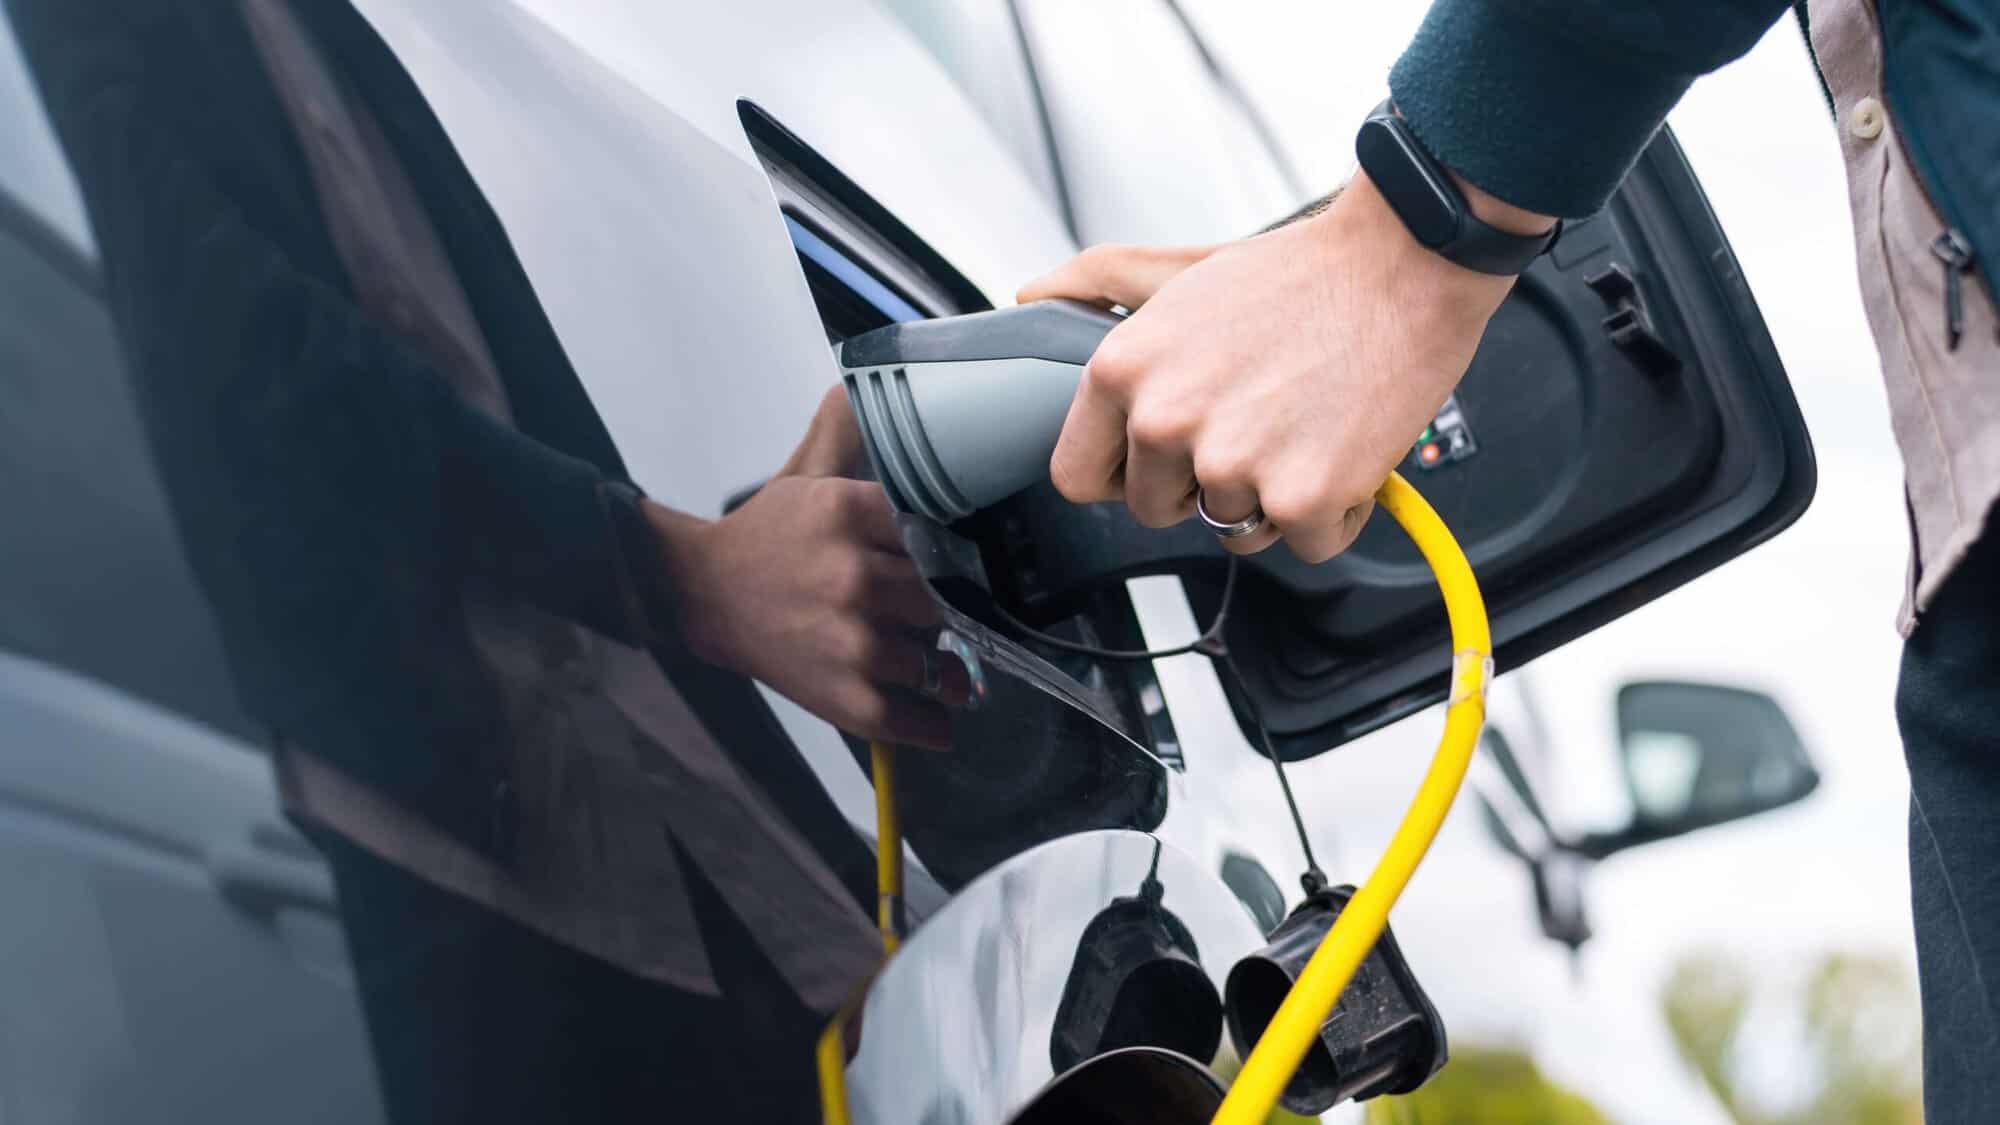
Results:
[302, 443]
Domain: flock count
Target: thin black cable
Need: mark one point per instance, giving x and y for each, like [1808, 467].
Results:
[1211, 645]
[1313, 879]
[1210, 637]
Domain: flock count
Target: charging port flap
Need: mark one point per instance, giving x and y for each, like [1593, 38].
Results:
[1625, 426]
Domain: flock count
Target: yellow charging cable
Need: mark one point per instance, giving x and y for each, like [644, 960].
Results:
[1291, 1031]
[831, 1053]
[888, 848]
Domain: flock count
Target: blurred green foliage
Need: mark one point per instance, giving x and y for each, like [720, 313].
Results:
[1849, 1024]
[1845, 1031]
[1487, 1085]
[1705, 1001]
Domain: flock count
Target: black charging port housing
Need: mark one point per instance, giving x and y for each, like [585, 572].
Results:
[1384, 1037]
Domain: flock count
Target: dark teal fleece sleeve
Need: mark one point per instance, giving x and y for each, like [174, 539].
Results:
[1546, 103]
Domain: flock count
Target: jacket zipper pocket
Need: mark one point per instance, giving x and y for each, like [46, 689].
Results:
[1955, 252]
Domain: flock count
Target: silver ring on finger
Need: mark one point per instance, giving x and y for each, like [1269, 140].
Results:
[1227, 530]
[933, 685]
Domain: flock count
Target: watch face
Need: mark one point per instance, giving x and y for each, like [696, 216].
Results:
[1409, 180]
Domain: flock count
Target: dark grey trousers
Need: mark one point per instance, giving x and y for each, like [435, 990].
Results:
[1948, 705]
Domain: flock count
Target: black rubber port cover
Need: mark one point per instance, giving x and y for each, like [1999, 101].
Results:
[1384, 1037]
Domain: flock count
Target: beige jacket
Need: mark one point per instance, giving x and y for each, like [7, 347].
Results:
[1944, 403]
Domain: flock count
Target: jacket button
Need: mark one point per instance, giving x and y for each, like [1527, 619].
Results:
[1865, 120]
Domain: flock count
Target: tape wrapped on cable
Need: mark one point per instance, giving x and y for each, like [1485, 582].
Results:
[1471, 671]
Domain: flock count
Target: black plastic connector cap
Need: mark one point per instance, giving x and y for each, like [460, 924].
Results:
[1384, 1037]
[1137, 980]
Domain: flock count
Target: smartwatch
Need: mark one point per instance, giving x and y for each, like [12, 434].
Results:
[1423, 195]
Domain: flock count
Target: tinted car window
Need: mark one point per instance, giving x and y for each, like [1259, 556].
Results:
[93, 577]
[163, 924]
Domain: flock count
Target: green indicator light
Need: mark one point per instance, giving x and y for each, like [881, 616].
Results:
[1425, 436]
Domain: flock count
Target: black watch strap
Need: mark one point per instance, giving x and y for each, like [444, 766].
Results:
[1423, 195]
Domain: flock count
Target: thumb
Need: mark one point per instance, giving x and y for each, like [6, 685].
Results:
[832, 443]
[1110, 274]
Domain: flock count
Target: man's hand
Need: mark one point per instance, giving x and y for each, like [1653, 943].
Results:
[1288, 372]
[832, 444]
[806, 587]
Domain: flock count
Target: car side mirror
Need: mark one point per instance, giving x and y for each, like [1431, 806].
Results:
[1697, 755]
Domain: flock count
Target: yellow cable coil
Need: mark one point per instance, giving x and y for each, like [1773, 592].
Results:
[1291, 1031]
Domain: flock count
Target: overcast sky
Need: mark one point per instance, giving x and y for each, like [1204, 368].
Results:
[1809, 617]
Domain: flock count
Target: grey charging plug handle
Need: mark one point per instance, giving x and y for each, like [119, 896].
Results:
[961, 412]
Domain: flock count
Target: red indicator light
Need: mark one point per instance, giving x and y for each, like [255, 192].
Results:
[1430, 453]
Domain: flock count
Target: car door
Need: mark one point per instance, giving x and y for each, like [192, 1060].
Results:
[169, 946]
